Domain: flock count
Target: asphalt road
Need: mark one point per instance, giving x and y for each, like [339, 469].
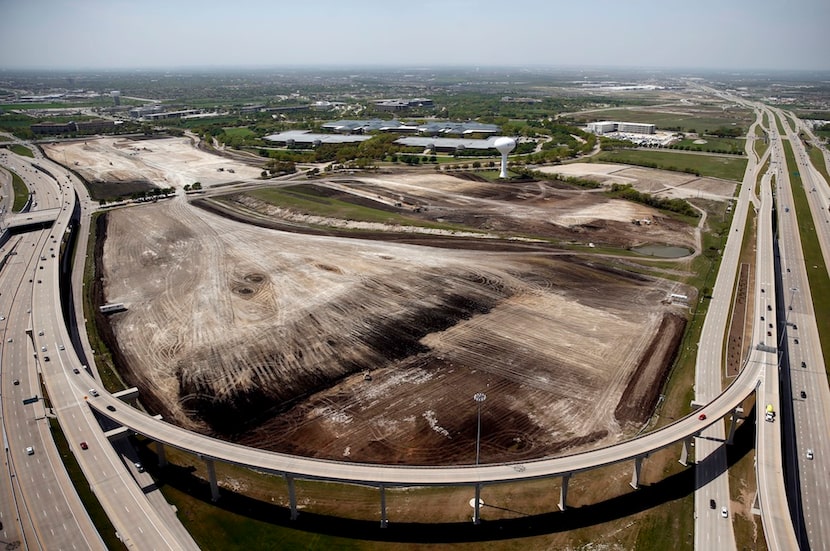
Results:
[810, 412]
[712, 529]
[141, 522]
[44, 511]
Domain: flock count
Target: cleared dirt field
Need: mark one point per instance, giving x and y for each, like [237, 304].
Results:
[163, 163]
[661, 183]
[370, 350]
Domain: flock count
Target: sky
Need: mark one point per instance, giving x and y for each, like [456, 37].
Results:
[161, 34]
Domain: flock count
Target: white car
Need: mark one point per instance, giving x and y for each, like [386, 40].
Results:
[60, 347]
[43, 349]
[93, 392]
[30, 450]
[809, 453]
[723, 512]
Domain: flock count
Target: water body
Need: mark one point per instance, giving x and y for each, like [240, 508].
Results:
[663, 251]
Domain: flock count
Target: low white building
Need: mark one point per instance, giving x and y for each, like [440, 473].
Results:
[602, 127]
[605, 127]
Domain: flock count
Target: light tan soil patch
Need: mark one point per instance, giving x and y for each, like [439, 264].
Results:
[170, 162]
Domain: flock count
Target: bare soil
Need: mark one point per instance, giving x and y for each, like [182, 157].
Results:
[370, 350]
[662, 183]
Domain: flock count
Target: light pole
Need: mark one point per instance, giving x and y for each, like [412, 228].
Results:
[479, 397]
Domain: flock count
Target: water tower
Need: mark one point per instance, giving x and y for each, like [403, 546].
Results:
[504, 145]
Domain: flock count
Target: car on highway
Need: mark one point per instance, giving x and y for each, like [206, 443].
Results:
[93, 392]
[46, 358]
[61, 347]
[804, 364]
[809, 453]
[16, 382]
[75, 370]
[795, 326]
[139, 467]
[111, 408]
[795, 341]
[712, 504]
[702, 416]
[40, 333]
[84, 446]
[30, 450]
[43, 349]
[769, 333]
[723, 512]
[10, 340]
[803, 394]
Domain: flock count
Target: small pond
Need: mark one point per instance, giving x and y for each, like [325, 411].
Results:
[663, 251]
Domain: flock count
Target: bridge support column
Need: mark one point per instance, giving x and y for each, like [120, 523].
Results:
[733, 424]
[292, 496]
[684, 454]
[161, 455]
[214, 487]
[477, 506]
[635, 477]
[563, 492]
[383, 521]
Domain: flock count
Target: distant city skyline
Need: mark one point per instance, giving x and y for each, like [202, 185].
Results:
[154, 34]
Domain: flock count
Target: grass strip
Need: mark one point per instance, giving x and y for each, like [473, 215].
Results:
[728, 168]
[21, 192]
[22, 150]
[817, 158]
[91, 504]
[103, 358]
[813, 258]
[761, 143]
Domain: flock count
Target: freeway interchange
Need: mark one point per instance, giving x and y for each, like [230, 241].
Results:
[35, 329]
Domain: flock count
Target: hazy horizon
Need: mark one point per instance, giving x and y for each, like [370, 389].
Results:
[762, 35]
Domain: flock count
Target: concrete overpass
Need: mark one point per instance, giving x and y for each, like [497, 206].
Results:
[32, 219]
[381, 476]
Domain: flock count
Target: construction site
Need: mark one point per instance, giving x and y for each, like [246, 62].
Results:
[309, 332]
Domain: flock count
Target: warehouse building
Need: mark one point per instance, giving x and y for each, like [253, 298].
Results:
[605, 127]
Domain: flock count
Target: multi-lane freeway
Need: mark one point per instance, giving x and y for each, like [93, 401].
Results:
[46, 354]
[808, 391]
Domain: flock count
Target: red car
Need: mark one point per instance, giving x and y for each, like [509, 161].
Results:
[702, 416]
[84, 445]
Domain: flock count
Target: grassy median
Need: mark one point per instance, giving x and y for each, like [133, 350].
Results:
[813, 257]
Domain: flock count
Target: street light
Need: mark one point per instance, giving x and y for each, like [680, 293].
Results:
[479, 397]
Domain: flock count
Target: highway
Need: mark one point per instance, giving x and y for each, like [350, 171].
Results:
[140, 522]
[806, 363]
[43, 510]
[712, 531]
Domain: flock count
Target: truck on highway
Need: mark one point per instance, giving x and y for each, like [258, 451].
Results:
[770, 413]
